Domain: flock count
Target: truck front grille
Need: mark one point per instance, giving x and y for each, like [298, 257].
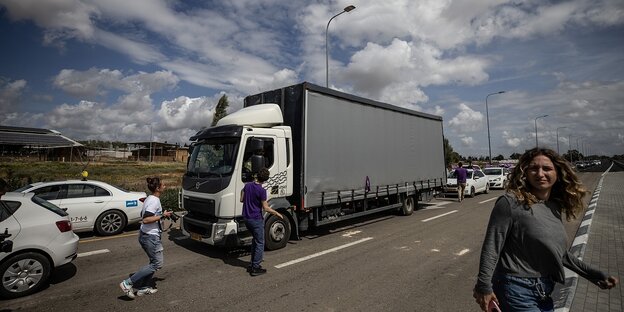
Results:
[200, 207]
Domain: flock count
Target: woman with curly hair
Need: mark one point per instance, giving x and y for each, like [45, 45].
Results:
[525, 248]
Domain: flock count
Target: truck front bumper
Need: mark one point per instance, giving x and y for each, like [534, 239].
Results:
[221, 233]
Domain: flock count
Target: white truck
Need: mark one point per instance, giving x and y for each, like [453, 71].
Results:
[332, 156]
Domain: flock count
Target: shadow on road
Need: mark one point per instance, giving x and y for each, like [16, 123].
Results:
[230, 256]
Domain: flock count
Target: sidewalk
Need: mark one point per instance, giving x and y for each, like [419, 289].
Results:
[600, 243]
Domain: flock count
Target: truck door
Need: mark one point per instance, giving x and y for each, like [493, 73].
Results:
[268, 151]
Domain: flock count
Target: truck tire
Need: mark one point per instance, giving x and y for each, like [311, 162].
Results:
[408, 206]
[472, 192]
[111, 222]
[276, 232]
[23, 274]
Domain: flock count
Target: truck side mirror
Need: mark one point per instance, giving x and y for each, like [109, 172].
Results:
[257, 163]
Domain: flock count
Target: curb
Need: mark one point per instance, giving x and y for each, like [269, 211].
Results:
[563, 300]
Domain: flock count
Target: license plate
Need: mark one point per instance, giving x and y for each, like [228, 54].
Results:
[196, 236]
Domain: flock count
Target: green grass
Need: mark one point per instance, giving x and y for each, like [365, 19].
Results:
[129, 175]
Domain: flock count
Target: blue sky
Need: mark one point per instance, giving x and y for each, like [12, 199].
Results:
[109, 69]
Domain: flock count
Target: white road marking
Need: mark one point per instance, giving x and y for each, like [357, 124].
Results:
[351, 233]
[91, 253]
[487, 200]
[442, 215]
[462, 252]
[318, 254]
[435, 250]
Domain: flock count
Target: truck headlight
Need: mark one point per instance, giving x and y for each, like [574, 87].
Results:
[219, 231]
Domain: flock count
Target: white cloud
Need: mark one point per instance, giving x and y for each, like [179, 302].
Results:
[511, 140]
[10, 93]
[467, 141]
[467, 120]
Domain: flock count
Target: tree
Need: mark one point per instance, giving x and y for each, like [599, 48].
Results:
[515, 156]
[220, 110]
[450, 156]
[499, 157]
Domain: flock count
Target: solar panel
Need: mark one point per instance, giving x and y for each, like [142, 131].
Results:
[34, 139]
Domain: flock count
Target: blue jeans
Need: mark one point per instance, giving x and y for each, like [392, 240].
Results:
[154, 250]
[525, 294]
[256, 227]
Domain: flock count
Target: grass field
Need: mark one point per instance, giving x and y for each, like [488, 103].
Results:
[129, 175]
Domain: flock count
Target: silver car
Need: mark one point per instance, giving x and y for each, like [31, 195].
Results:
[42, 239]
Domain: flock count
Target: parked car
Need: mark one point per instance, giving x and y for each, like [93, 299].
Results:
[92, 205]
[496, 176]
[42, 239]
[476, 182]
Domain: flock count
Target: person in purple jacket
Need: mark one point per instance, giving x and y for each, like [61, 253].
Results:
[254, 199]
[461, 174]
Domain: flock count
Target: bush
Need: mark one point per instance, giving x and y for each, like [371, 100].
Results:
[169, 199]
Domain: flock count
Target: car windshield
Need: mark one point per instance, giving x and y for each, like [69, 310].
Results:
[23, 188]
[213, 159]
[48, 205]
[493, 171]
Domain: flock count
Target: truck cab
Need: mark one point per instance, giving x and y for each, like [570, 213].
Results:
[222, 160]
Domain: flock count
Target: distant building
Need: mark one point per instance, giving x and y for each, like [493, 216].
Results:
[157, 151]
[41, 144]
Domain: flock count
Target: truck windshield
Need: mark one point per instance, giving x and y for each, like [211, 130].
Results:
[211, 159]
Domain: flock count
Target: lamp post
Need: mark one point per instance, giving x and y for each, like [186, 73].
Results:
[570, 148]
[536, 118]
[487, 118]
[558, 138]
[346, 9]
[150, 145]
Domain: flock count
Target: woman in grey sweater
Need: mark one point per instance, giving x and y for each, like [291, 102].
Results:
[525, 248]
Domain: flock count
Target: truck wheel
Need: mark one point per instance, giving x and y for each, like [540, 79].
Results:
[111, 222]
[23, 274]
[408, 206]
[276, 232]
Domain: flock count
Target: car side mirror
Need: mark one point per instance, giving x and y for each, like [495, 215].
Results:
[6, 246]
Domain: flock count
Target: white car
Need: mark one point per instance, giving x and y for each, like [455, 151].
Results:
[42, 239]
[497, 176]
[92, 205]
[476, 182]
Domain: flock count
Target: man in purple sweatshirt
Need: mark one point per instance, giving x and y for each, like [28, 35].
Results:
[461, 174]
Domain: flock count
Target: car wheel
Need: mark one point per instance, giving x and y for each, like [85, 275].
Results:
[408, 206]
[472, 191]
[111, 222]
[276, 232]
[24, 274]
[487, 188]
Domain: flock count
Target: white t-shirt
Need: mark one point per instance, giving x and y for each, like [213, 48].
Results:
[152, 204]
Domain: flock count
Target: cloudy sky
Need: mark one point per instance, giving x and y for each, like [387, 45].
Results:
[108, 69]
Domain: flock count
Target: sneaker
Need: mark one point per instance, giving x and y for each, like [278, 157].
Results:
[146, 291]
[127, 289]
[257, 271]
[249, 269]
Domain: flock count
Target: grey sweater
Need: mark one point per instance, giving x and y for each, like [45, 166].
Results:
[528, 243]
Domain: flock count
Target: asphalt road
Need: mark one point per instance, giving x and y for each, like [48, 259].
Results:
[424, 262]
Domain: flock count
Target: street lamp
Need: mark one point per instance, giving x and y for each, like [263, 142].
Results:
[487, 117]
[150, 144]
[346, 9]
[558, 138]
[536, 118]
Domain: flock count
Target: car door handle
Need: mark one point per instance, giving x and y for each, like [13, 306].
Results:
[98, 201]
